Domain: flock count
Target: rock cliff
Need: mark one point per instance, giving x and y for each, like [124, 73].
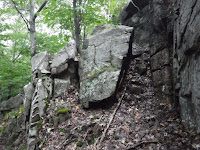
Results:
[171, 31]
[163, 31]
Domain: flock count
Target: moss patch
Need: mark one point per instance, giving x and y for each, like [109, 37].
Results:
[96, 72]
[63, 111]
[79, 144]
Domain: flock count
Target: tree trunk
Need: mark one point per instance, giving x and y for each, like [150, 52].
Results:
[77, 26]
[32, 28]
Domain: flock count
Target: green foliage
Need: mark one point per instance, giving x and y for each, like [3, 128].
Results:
[14, 113]
[63, 111]
[62, 130]
[95, 117]
[79, 144]
[1, 129]
[15, 64]
[39, 125]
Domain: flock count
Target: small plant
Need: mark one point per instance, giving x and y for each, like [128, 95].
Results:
[1, 129]
[14, 114]
[62, 130]
[63, 111]
[39, 126]
[95, 117]
[79, 144]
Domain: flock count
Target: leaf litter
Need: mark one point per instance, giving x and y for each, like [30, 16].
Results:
[140, 123]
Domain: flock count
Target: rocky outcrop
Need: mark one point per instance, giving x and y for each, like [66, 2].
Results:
[152, 24]
[100, 63]
[12, 103]
[171, 31]
[61, 59]
[186, 61]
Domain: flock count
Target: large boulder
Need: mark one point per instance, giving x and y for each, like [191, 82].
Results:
[40, 65]
[61, 59]
[186, 61]
[12, 103]
[60, 87]
[100, 63]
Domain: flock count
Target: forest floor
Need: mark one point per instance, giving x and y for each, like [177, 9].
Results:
[139, 122]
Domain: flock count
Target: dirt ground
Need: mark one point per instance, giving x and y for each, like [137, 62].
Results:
[139, 122]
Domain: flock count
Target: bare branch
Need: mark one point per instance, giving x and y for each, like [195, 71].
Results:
[135, 5]
[22, 16]
[40, 9]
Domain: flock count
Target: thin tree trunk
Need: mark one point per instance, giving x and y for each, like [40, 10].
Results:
[77, 26]
[32, 28]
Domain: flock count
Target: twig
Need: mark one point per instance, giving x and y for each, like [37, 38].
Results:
[22, 16]
[135, 5]
[100, 139]
[40, 9]
[141, 143]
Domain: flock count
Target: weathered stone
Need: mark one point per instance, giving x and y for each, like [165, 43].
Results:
[160, 59]
[130, 10]
[61, 59]
[60, 87]
[101, 62]
[138, 51]
[186, 61]
[28, 94]
[12, 103]
[43, 91]
[40, 62]
[162, 77]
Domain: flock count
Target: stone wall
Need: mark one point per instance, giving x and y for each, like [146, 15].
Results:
[186, 61]
[153, 29]
[171, 31]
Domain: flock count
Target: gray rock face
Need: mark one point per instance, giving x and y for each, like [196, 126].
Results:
[43, 91]
[12, 103]
[61, 59]
[40, 62]
[28, 94]
[153, 30]
[174, 51]
[187, 61]
[40, 65]
[100, 63]
[60, 87]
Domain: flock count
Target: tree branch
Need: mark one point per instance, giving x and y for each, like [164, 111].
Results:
[22, 16]
[135, 5]
[40, 9]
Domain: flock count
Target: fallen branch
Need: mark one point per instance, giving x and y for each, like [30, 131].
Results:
[141, 143]
[98, 142]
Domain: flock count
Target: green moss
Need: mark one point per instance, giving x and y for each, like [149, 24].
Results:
[14, 113]
[95, 117]
[39, 126]
[23, 148]
[79, 144]
[96, 72]
[63, 111]
[1, 129]
[62, 130]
